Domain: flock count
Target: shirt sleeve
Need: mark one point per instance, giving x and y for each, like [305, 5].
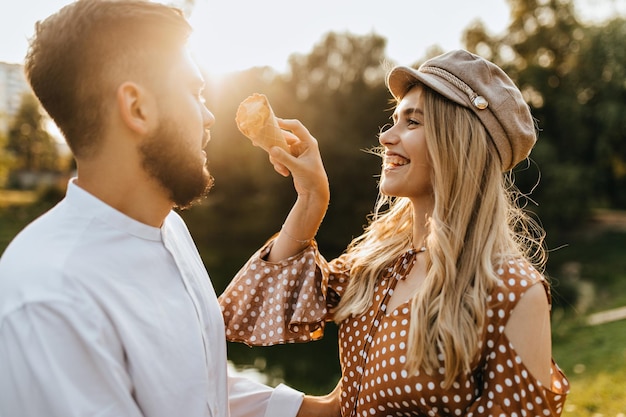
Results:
[508, 387]
[248, 398]
[54, 363]
[269, 303]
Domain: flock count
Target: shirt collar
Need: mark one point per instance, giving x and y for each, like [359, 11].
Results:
[90, 206]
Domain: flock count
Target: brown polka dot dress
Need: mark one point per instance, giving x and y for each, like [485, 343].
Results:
[271, 303]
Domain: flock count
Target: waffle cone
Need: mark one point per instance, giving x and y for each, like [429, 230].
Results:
[255, 119]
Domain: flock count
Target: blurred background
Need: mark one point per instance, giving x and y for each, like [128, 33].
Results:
[324, 64]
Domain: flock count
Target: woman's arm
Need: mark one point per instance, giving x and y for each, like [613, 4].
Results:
[324, 406]
[528, 330]
[311, 185]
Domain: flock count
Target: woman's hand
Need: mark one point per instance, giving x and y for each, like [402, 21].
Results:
[304, 161]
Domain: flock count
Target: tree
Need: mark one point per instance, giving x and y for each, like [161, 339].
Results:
[601, 92]
[6, 161]
[32, 146]
[572, 77]
[340, 62]
[343, 101]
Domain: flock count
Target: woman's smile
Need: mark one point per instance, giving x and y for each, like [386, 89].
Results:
[393, 161]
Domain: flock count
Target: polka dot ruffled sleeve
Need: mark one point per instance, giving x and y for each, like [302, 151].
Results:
[270, 303]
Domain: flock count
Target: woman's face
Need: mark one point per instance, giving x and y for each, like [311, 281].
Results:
[406, 165]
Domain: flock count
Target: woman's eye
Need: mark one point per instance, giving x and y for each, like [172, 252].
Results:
[412, 122]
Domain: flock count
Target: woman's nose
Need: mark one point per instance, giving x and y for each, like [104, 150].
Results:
[387, 135]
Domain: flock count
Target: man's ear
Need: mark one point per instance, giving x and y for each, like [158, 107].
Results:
[136, 107]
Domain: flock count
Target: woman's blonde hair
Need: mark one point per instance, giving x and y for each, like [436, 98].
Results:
[476, 225]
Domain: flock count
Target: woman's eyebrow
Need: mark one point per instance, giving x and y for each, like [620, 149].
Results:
[408, 112]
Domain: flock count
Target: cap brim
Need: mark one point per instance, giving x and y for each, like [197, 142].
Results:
[400, 78]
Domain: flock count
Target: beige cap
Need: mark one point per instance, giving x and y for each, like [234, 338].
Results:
[480, 85]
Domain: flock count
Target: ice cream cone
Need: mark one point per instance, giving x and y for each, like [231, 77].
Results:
[255, 119]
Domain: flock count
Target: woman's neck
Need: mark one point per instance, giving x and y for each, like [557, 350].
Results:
[422, 211]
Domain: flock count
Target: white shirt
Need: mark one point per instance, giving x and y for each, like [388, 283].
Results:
[103, 315]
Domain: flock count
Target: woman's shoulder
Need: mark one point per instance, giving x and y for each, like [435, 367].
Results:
[515, 278]
[517, 275]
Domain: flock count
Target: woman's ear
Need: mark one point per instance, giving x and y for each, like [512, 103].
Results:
[135, 106]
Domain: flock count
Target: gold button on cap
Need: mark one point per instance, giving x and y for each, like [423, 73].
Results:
[480, 102]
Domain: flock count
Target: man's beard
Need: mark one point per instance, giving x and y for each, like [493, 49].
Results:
[179, 170]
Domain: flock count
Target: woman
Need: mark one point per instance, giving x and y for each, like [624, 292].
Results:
[441, 305]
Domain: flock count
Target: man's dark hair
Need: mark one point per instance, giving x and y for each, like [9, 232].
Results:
[79, 55]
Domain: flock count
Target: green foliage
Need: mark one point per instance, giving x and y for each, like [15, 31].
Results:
[343, 76]
[572, 76]
[594, 359]
[33, 147]
[310, 367]
[30, 157]
[18, 209]
[7, 161]
[601, 92]
[598, 256]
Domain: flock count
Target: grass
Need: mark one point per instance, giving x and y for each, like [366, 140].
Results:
[10, 198]
[592, 357]
[17, 209]
[594, 360]
[595, 255]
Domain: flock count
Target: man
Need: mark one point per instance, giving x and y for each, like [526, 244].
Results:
[105, 306]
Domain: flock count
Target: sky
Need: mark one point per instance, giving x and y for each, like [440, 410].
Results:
[233, 35]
